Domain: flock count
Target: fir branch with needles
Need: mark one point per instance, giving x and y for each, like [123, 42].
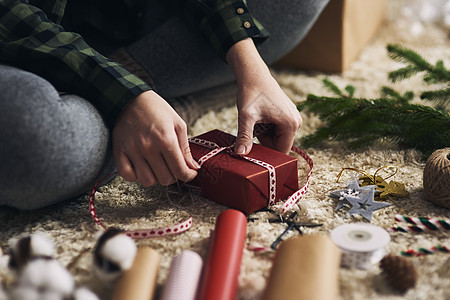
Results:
[392, 117]
[433, 74]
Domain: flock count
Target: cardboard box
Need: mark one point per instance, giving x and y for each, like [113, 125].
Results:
[238, 183]
[337, 38]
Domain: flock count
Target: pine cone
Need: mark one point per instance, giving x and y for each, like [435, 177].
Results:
[399, 272]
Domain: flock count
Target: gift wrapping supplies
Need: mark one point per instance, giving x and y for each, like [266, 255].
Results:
[188, 278]
[242, 183]
[302, 267]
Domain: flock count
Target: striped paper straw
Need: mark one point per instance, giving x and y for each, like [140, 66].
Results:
[425, 251]
[429, 223]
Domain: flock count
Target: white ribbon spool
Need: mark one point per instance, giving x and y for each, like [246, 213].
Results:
[362, 245]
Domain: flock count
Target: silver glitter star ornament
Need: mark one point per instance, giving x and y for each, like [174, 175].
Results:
[353, 189]
[365, 205]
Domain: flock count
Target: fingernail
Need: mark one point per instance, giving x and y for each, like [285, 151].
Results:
[240, 150]
[196, 165]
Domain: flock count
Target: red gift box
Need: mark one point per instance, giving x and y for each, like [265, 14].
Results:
[238, 183]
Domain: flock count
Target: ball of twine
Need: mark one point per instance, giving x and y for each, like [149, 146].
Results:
[436, 177]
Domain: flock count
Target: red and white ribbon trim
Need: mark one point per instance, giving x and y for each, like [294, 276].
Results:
[289, 203]
[292, 200]
[161, 231]
[208, 144]
[139, 233]
[185, 225]
[217, 149]
[272, 177]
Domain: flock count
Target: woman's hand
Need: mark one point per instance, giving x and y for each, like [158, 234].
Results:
[150, 143]
[260, 99]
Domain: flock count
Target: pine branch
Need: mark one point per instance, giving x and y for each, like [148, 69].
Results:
[387, 92]
[330, 86]
[439, 96]
[350, 90]
[333, 88]
[438, 74]
[328, 108]
[403, 73]
[416, 64]
[402, 54]
[361, 122]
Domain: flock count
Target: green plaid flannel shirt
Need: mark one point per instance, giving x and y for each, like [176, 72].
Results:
[31, 38]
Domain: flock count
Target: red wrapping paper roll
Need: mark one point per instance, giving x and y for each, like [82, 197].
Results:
[221, 272]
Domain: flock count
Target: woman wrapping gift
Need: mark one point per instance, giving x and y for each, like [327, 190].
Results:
[87, 86]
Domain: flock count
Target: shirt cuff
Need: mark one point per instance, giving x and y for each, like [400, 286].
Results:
[230, 23]
[113, 95]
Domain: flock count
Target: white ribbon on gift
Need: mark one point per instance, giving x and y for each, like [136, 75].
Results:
[293, 199]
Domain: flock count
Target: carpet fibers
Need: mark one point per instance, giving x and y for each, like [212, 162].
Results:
[129, 206]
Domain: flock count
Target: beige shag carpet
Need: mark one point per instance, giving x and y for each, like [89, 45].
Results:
[127, 205]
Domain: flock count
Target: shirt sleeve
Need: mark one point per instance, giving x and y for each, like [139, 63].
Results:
[224, 22]
[31, 41]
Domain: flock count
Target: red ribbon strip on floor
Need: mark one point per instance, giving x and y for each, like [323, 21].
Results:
[139, 233]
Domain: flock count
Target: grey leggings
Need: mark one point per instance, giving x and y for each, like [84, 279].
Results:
[54, 148]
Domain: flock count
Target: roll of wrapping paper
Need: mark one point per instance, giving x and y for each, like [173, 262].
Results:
[220, 275]
[184, 276]
[305, 267]
[139, 282]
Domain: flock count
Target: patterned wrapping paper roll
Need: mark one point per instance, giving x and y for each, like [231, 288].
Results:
[139, 282]
[184, 276]
[220, 275]
[362, 245]
[305, 268]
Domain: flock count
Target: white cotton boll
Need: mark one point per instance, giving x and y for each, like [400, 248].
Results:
[84, 294]
[120, 250]
[41, 245]
[25, 249]
[113, 254]
[47, 274]
[37, 244]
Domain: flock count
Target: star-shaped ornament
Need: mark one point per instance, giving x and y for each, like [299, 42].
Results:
[365, 205]
[384, 189]
[353, 189]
